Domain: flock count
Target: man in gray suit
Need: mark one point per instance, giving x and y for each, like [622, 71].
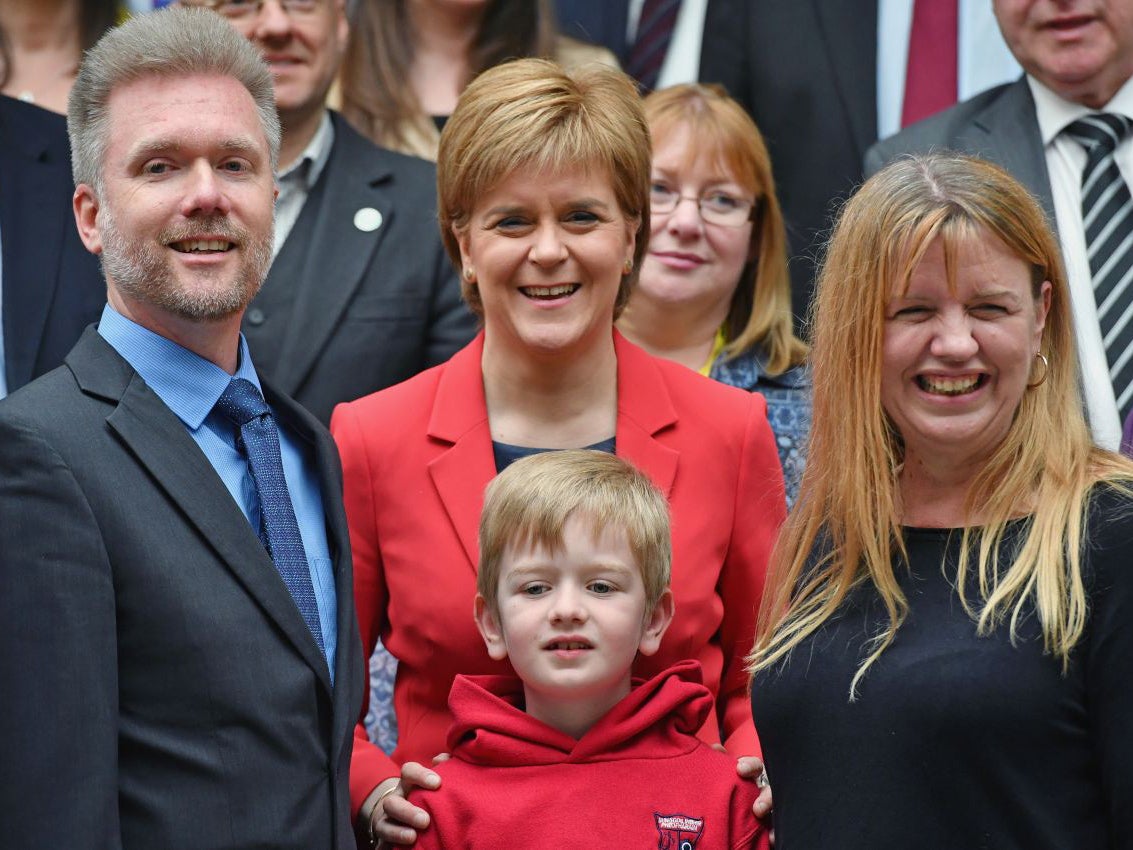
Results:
[181, 665]
[360, 294]
[1078, 58]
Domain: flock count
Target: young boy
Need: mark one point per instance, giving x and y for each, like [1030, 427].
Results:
[574, 582]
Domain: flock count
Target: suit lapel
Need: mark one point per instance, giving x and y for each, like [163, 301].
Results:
[849, 31]
[336, 256]
[32, 232]
[645, 410]
[460, 419]
[1007, 132]
[159, 441]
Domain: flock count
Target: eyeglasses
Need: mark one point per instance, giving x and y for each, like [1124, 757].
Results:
[239, 9]
[715, 207]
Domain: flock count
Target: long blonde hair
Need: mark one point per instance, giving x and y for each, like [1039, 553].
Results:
[760, 311]
[846, 526]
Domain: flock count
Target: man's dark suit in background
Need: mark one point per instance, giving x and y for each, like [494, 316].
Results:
[597, 21]
[51, 286]
[346, 311]
[811, 73]
[806, 71]
[360, 295]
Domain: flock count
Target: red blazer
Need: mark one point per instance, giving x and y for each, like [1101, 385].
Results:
[416, 459]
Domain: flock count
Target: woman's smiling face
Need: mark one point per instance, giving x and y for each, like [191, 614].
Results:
[548, 251]
[956, 360]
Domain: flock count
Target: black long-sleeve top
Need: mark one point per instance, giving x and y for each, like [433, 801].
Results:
[956, 740]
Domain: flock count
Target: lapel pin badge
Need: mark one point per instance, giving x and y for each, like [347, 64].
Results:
[368, 219]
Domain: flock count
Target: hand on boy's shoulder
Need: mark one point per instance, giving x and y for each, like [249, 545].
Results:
[721, 775]
[700, 800]
[638, 777]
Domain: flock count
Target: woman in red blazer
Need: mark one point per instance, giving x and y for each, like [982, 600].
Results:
[543, 183]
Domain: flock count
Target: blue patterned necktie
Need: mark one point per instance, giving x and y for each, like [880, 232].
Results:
[259, 440]
[1107, 215]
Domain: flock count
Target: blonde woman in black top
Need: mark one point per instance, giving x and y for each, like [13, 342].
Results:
[946, 648]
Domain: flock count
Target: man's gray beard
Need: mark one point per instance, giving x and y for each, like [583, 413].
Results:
[141, 272]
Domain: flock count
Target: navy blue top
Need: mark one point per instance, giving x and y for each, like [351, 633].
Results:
[506, 455]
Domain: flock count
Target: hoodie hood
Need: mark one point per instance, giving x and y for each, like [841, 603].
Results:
[490, 727]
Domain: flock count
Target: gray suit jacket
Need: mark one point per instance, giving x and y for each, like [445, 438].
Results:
[345, 312]
[999, 125]
[160, 686]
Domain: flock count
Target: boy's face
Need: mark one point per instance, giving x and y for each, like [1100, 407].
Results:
[572, 622]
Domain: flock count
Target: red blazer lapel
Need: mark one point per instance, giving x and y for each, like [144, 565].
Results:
[645, 410]
[460, 421]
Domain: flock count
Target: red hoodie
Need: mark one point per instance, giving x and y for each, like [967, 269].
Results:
[639, 778]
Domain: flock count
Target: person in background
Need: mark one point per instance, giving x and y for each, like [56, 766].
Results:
[409, 60]
[543, 180]
[714, 293]
[360, 295]
[953, 586]
[824, 79]
[41, 43]
[181, 665]
[657, 42]
[50, 285]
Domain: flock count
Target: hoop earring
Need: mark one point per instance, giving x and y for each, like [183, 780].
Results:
[1046, 371]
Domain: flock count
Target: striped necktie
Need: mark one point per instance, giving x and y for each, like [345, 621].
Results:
[1107, 215]
[651, 44]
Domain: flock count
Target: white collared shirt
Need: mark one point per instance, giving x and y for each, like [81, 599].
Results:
[983, 59]
[298, 179]
[682, 61]
[1065, 159]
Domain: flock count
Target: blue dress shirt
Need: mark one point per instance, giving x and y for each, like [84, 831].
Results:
[190, 386]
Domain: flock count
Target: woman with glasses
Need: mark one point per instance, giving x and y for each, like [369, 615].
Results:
[714, 292]
[543, 186]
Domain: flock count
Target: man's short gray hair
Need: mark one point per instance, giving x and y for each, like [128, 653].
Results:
[173, 42]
